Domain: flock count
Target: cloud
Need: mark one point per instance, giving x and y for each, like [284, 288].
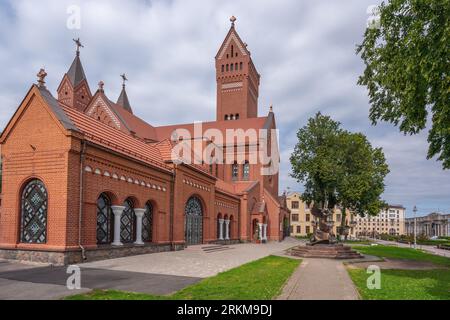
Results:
[304, 50]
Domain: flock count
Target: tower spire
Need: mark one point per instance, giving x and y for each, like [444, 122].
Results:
[74, 89]
[123, 98]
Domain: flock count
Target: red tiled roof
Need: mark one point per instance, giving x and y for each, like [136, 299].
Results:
[114, 139]
[224, 186]
[165, 132]
[165, 149]
[243, 186]
[141, 128]
[235, 187]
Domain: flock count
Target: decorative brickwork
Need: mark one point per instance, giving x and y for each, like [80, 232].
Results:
[85, 148]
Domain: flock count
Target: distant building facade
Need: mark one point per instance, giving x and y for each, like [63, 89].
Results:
[389, 221]
[433, 225]
[302, 220]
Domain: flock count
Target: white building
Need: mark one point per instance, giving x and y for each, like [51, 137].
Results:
[389, 221]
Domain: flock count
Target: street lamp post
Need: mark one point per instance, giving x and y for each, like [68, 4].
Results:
[415, 228]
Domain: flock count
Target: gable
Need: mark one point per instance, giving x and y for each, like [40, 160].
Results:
[35, 124]
[65, 91]
[100, 110]
[232, 38]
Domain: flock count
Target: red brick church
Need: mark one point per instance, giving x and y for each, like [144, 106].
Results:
[84, 178]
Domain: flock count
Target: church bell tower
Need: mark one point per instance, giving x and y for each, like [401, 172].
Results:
[237, 79]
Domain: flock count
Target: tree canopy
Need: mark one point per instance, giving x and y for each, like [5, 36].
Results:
[339, 167]
[407, 70]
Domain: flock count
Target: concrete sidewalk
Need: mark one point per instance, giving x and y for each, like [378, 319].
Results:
[320, 279]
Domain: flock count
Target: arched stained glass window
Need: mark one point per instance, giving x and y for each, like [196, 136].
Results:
[147, 223]
[104, 219]
[34, 213]
[127, 222]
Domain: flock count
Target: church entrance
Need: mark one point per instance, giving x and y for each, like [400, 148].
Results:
[193, 221]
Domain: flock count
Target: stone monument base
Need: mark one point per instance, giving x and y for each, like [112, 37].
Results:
[331, 251]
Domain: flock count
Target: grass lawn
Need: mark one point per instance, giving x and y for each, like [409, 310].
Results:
[357, 242]
[257, 280]
[405, 284]
[403, 253]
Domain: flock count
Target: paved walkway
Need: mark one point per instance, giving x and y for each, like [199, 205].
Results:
[194, 261]
[159, 273]
[320, 279]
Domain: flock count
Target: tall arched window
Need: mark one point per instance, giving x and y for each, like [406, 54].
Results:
[104, 219]
[236, 116]
[147, 223]
[246, 170]
[219, 217]
[226, 117]
[127, 222]
[231, 232]
[34, 213]
[234, 171]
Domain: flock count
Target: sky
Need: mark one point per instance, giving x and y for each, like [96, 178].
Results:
[303, 49]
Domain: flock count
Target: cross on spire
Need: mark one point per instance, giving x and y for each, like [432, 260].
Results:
[233, 20]
[124, 79]
[78, 44]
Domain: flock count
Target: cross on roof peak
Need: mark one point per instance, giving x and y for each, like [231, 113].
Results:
[41, 78]
[78, 44]
[124, 79]
[233, 20]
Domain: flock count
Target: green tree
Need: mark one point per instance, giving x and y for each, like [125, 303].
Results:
[361, 174]
[313, 160]
[339, 167]
[407, 70]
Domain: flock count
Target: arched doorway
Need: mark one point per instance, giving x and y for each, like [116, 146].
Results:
[231, 232]
[193, 221]
[34, 213]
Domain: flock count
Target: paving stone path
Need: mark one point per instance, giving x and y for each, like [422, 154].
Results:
[320, 279]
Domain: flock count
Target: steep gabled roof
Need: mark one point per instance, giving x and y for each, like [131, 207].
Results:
[133, 123]
[76, 72]
[50, 103]
[232, 35]
[54, 105]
